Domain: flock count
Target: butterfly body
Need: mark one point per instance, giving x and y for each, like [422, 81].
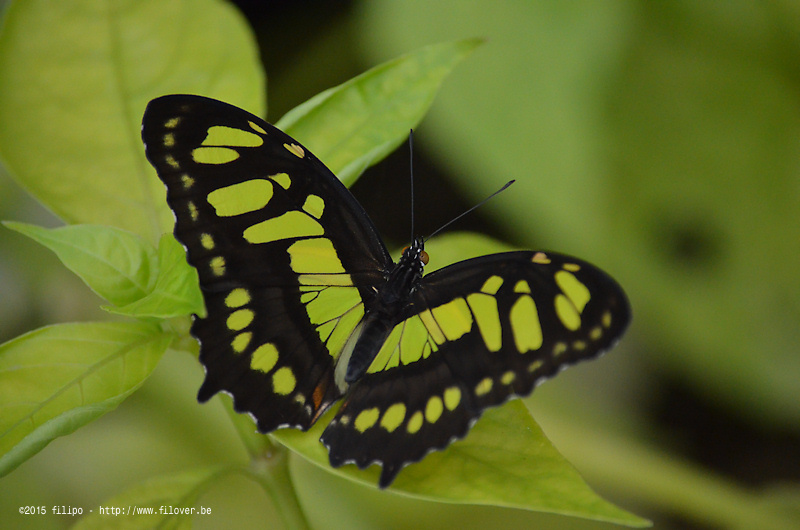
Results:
[306, 307]
[392, 299]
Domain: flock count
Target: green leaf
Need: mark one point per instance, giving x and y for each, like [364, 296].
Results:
[358, 123]
[452, 247]
[178, 491]
[177, 291]
[56, 379]
[122, 268]
[505, 460]
[75, 82]
[117, 265]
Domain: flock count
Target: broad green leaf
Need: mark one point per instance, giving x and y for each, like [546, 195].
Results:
[56, 379]
[117, 265]
[144, 503]
[505, 460]
[75, 78]
[176, 292]
[356, 124]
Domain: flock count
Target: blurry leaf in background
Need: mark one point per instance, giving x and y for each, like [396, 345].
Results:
[75, 79]
[168, 495]
[659, 141]
[524, 107]
[704, 125]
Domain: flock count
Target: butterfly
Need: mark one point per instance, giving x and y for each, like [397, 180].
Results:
[305, 306]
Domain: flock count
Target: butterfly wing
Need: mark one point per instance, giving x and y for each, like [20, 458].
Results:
[477, 333]
[285, 255]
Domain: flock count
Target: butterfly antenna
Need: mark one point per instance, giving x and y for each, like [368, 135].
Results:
[451, 221]
[411, 173]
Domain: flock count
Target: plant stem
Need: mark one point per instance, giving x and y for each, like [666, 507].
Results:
[271, 471]
[269, 467]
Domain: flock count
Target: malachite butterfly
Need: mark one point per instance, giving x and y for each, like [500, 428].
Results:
[305, 306]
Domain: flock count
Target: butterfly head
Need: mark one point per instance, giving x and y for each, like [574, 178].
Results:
[415, 254]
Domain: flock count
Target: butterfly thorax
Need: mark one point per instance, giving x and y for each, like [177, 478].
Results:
[386, 310]
[403, 279]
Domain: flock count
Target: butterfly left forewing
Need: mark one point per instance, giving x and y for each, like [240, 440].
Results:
[285, 255]
[478, 332]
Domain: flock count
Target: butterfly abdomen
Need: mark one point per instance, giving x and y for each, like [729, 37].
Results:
[374, 332]
[382, 314]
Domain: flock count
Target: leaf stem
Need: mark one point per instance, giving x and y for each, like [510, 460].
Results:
[269, 467]
[271, 471]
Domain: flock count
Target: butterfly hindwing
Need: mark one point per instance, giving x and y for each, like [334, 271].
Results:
[261, 219]
[487, 329]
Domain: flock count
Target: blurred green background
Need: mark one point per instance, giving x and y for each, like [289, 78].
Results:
[658, 140]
